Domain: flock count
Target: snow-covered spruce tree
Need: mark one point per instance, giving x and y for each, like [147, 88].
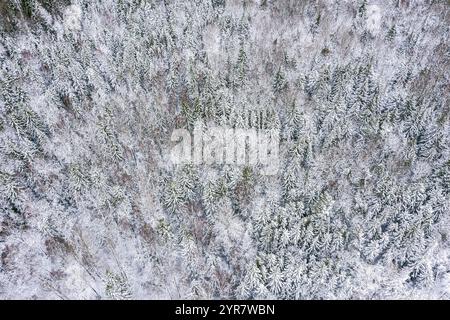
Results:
[91, 207]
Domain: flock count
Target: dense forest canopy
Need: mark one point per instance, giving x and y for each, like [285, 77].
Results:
[91, 91]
